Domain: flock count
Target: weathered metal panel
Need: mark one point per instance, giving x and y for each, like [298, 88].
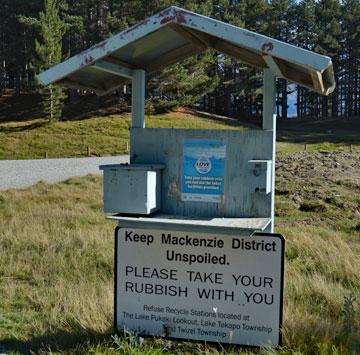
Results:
[164, 146]
[252, 40]
[240, 226]
[138, 99]
[132, 189]
[151, 47]
[104, 48]
[113, 68]
[269, 123]
[174, 34]
[261, 175]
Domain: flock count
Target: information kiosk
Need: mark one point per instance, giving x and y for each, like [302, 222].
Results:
[196, 257]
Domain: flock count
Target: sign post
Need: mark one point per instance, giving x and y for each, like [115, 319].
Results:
[189, 285]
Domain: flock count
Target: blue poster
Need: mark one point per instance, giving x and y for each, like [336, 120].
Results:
[203, 169]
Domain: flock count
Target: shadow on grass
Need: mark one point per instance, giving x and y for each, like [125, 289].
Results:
[23, 128]
[19, 108]
[317, 138]
[57, 341]
[27, 106]
[315, 131]
[332, 130]
[234, 122]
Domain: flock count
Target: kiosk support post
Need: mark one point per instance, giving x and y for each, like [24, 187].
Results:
[269, 123]
[138, 98]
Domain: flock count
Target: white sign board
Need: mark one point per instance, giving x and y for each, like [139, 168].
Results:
[208, 287]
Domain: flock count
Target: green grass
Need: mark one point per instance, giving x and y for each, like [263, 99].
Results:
[103, 135]
[294, 141]
[109, 135]
[56, 267]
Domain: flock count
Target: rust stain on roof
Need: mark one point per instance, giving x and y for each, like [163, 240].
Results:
[267, 47]
[167, 19]
[88, 60]
[96, 46]
[180, 16]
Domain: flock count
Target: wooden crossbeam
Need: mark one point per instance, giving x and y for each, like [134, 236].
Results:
[189, 35]
[112, 68]
[241, 54]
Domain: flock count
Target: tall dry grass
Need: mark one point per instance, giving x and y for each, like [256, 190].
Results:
[56, 278]
[322, 268]
[56, 261]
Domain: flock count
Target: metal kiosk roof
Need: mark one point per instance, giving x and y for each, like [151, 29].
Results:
[175, 34]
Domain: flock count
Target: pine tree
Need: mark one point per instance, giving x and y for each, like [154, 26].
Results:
[241, 84]
[281, 26]
[17, 44]
[306, 32]
[49, 53]
[350, 78]
[328, 42]
[330, 27]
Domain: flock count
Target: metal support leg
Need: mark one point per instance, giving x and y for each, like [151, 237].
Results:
[269, 123]
[138, 99]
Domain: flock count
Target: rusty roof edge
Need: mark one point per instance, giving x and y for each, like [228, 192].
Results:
[237, 36]
[266, 44]
[309, 60]
[106, 47]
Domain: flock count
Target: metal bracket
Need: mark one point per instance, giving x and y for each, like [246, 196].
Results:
[271, 62]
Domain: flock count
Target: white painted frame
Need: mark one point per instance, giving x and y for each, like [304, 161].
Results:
[269, 48]
[269, 123]
[138, 99]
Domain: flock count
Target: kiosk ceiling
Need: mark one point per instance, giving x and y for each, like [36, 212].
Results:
[175, 34]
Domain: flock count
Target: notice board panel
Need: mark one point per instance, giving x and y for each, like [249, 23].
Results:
[207, 287]
[203, 170]
[239, 199]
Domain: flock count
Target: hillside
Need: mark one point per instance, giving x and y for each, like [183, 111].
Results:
[22, 137]
[108, 135]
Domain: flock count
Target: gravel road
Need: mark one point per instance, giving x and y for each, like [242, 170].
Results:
[23, 173]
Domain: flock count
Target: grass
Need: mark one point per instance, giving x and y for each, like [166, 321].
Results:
[104, 135]
[56, 267]
[109, 135]
[56, 255]
[56, 261]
